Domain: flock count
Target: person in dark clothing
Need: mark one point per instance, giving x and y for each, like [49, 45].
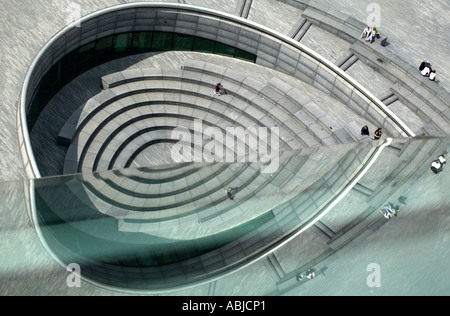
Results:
[424, 65]
[230, 194]
[217, 88]
[438, 164]
[365, 131]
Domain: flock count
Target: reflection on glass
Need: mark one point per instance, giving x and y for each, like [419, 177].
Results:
[172, 225]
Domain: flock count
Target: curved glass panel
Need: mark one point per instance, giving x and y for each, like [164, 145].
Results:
[184, 231]
[116, 46]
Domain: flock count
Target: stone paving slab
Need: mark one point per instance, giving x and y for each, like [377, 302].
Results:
[329, 46]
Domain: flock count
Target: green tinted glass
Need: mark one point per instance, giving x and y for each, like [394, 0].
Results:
[183, 42]
[240, 54]
[203, 45]
[103, 50]
[104, 43]
[222, 49]
[85, 57]
[122, 42]
[116, 46]
[142, 41]
[162, 41]
[167, 243]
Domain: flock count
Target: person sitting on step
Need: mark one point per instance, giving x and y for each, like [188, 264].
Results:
[365, 32]
[438, 164]
[371, 36]
[433, 75]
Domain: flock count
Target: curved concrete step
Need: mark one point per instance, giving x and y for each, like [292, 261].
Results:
[293, 125]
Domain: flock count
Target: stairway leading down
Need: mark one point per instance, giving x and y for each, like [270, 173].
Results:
[129, 128]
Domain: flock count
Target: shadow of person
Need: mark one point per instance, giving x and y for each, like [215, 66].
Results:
[384, 42]
[402, 199]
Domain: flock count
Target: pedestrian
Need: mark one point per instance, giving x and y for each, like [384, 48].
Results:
[377, 134]
[230, 193]
[365, 131]
[217, 88]
[433, 75]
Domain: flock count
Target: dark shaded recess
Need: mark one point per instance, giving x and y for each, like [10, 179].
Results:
[117, 46]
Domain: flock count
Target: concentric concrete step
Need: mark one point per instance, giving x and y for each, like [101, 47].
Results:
[139, 107]
[263, 107]
[149, 205]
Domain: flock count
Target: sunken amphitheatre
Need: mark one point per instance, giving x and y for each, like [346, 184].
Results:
[215, 148]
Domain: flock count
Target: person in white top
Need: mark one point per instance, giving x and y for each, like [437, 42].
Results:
[365, 32]
[433, 75]
[389, 211]
[426, 71]
[438, 164]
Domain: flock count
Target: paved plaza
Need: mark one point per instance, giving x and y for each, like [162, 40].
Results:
[352, 249]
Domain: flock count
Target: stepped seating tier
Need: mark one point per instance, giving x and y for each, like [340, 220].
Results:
[137, 111]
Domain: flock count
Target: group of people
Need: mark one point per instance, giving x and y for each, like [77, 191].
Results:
[427, 71]
[389, 211]
[438, 164]
[310, 275]
[376, 135]
[370, 33]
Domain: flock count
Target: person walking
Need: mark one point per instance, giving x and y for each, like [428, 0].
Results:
[217, 88]
[230, 193]
[365, 131]
[377, 134]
